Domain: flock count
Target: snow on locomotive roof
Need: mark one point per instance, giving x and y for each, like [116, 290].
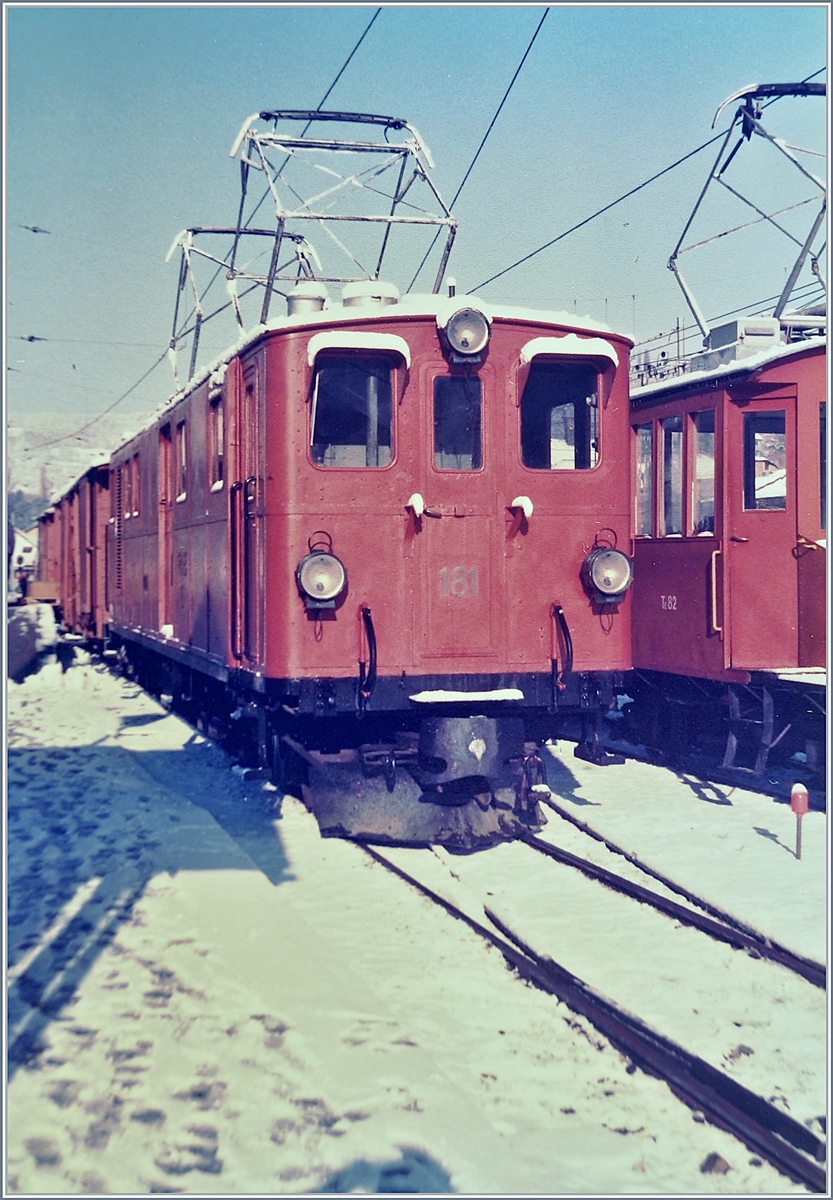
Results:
[411, 305]
[742, 366]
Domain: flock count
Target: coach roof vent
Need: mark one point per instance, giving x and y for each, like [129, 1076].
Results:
[738, 340]
[369, 293]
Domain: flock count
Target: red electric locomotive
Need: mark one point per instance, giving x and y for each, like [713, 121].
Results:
[730, 527]
[390, 535]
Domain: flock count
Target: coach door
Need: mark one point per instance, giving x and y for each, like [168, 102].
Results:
[761, 534]
[165, 519]
[244, 499]
[455, 536]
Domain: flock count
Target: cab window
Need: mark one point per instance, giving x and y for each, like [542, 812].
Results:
[352, 414]
[559, 417]
[457, 423]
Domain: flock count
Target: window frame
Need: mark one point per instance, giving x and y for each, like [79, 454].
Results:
[180, 460]
[216, 441]
[603, 373]
[449, 375]
[663, 477]
[338, 354]
[691, 451]
[650, 426]
[749, 478]
[136, 490]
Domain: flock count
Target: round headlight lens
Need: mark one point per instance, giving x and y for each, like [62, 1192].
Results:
[467, 331]
[609, 571]
[321, 576]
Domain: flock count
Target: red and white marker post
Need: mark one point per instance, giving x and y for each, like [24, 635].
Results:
[800, 804]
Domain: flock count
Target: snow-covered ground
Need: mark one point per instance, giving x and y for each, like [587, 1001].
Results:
[205, 996]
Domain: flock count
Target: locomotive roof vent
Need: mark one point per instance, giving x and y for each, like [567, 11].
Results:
[307, 297]
[737, 340]
[369, 293]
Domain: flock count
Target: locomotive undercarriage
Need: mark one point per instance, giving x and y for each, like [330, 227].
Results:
[382, 768]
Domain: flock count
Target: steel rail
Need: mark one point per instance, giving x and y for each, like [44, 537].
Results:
[815, 973]
[808, 968]
[764, 1129]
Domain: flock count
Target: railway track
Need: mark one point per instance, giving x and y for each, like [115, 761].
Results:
[767, 1131]
[724, 929]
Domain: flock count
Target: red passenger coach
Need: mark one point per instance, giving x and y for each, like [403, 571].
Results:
[731, 551]
[730, 508]
[391, 535]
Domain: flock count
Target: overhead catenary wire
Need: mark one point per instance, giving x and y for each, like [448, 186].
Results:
[164, 355]
[599, 212]
[266, 193]
[482, 143]
[109, 409]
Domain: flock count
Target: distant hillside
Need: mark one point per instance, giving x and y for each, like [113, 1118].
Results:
[35, 470]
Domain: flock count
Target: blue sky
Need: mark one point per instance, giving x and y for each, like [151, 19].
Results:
[119, 122]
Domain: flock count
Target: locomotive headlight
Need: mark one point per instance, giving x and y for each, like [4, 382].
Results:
[321, 579]
[608, 574]
[467, 331]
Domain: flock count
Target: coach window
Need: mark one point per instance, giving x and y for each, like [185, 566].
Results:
[181, 461]
[671, 434]
[823, 457]
[135, 487]
[702, 474]
[644, 481]
[764, 460]
[351, 423]
[127, 488]
[560, 417]
[457, 423]
[216, 437]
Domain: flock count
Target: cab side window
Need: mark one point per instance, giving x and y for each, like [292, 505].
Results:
[351, 421]
[457, 423]
[560, 417]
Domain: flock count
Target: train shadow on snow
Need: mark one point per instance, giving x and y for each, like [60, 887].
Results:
[563, 783]
[89, 827]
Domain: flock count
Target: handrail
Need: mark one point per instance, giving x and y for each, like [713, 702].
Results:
[367, 682]
[247, 650]
[558, 676]
[233, 558]
[713, 573]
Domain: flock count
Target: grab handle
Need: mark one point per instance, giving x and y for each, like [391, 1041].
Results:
[713, 573]
[558, 683]
[367, 682]
[234, 535]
